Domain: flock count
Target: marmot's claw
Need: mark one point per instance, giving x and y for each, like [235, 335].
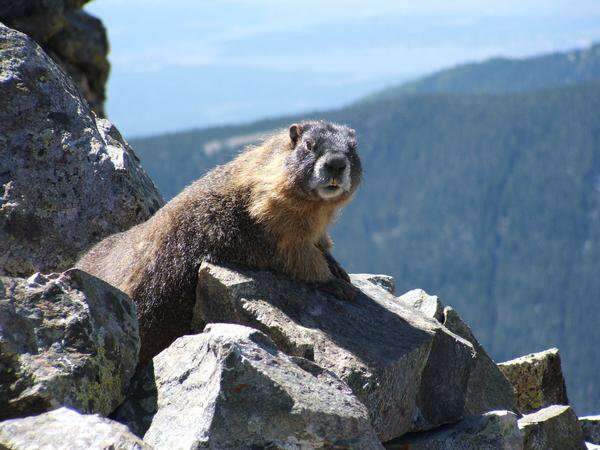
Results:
[339, 289]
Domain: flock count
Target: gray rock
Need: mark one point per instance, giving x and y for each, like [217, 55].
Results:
[67, 179]
[40, 19]
[552, 428]
[230, 387]
[384, 281]
[488, 389]
[74, 39]
[430, 305]
[537, 379]
[591, 428]
[408, 370]
[591, 446]
[63, 429]
[81, 48]
[65, 339]
[493, 430]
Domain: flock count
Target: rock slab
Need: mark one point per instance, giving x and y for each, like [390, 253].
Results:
[538, 380]
[63, 429]
[408, 370]
[65, 339]
[490, 431]
[67, 178]
[552, 428]
[230, 387]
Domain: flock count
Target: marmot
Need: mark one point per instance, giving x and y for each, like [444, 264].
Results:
[268, 208]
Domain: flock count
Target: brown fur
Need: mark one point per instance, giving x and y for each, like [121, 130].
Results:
[246, 212]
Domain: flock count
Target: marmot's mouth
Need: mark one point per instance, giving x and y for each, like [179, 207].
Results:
[329, 191]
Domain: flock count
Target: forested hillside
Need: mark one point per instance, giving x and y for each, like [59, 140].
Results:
[507, 75]
[491, 201]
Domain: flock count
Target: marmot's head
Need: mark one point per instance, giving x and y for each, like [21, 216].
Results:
[323, 163]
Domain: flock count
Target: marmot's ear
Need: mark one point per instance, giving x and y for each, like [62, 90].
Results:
[295, 132]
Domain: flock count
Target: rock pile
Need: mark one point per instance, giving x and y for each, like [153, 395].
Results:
[274, 363]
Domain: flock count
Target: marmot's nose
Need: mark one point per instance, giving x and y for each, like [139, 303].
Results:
[335, 166]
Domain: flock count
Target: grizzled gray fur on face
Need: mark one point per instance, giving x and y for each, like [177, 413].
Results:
[324, 162]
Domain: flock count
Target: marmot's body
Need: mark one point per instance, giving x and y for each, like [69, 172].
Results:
[268, 208]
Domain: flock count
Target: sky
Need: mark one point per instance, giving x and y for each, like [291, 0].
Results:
[180, 64]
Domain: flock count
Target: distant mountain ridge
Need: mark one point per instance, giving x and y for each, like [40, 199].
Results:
[488, 199]
[499, 75]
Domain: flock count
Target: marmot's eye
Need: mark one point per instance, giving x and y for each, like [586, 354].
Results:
[352, 145]
[309, 145]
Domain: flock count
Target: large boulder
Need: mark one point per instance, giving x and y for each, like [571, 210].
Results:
[76, 40]
[64, 428]
[538, 380]
[230, 387]
[410, 371]
[552, 428]
[495, 430]
[65, 339]
[67, 179]
[591, 428]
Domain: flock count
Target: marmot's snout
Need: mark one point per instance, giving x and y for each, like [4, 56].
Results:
[332, 171]
[335, 165]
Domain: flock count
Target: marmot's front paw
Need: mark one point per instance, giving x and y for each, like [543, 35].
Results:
[340, 289]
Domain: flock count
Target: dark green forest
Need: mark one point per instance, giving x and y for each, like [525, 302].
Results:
[482, 185]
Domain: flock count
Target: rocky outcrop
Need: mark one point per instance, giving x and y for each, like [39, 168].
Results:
[65, 339]
[554, 427]
[491, 431]
[230, 387]
[68, 179]
[64, 428]
[410, 371]
[74, 39]
[591, 428]
[537, 379]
